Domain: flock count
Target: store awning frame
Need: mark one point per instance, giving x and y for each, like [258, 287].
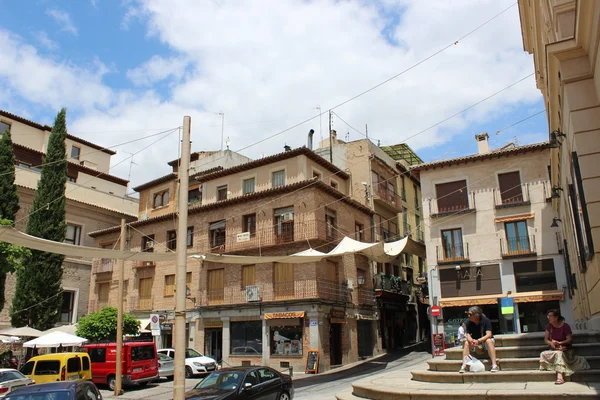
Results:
[523, 297]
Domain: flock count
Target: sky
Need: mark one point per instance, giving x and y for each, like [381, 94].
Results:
[129, 69]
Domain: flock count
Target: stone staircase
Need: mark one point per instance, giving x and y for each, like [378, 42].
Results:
[519, 376]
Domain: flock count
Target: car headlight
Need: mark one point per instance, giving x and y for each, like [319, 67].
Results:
[197, 364]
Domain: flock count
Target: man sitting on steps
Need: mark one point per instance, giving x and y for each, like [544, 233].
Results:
[479, 334]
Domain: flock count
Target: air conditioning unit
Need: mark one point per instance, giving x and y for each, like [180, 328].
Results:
[287, 216]
[252, 293]
[144, 216]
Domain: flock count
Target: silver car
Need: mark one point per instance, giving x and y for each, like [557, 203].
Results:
[166, 366]
[11, 379]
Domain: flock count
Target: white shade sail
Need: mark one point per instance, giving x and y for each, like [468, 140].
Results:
[55, 339]
[23, 331]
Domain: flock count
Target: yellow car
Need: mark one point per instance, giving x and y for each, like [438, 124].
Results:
[58, 367]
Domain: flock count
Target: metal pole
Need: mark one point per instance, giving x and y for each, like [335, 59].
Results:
[180, 295]
[330, 140]
[222, 128]
[120, 265]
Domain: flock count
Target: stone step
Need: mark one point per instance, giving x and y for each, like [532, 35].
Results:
[506, 364]
[582, 349]
[534, 338]
[592, 375]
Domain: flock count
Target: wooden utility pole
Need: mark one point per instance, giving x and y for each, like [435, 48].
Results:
[180, 273]
[120, 265]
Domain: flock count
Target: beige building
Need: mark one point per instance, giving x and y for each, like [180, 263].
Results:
[489, 238]
[95, 200]
[564, 38]
[380, 180]
[269, 313]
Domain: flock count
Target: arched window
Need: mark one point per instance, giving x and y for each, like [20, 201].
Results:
[157, 200]
[165, 198]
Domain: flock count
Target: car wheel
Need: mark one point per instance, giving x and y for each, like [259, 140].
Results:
[188, 372]
[284, 396]
[111, 382]
[170, 378]
[142, 384]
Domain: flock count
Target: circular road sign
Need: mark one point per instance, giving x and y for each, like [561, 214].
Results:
[435, 311]
[154, 319]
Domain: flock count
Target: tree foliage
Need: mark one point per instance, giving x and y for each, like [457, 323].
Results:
[10, 255]
[102, 325]
[38, 296]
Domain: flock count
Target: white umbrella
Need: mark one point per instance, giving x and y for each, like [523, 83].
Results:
[22, 331]
[70, 329]
[55, 339]
[9, 339]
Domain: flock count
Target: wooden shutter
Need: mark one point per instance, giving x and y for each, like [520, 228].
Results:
[216, 285]
[283, 280]
[169, 285]
[510, 187]
[332, 271]
[103, 292]
[452, 196]
[145, 288]
[248, 275]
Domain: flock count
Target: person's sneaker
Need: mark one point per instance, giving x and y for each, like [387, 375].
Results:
[462, 370]
[494, 368]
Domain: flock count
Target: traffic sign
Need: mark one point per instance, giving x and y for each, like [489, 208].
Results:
[435, 311]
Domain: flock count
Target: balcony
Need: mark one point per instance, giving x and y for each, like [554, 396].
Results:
[102, 265]
[453, 254]
[521, 246]
[141, 303]
[144, 264]
[513, 197]
[386, 235]
[449, 206]
[391, 283]
[319, 289]
[366, 297]
[387, 197]
[420, 236]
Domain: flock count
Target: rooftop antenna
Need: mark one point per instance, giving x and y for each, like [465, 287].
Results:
[222, 114]
[320, 123]
[516, 141]
[131, 164]
[227, 143]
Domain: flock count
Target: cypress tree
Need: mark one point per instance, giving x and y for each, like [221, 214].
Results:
[38, 296]
[9, 206]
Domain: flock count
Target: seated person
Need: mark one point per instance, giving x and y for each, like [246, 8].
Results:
[479, 333]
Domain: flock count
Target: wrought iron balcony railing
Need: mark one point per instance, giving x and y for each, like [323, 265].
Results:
[449, 205]
[139, 303]
[387, 195]
[101, 265]
[516, 196]
[391, 283]
[520, 246]
[456, 253]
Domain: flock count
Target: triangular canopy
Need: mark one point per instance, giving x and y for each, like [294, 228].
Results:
[55, 339]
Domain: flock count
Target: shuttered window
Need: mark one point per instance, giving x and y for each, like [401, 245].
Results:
[248, 275]
[145, 294]
[332, 271]
[216, 285]
[103, 292]
[283, 280]
[169, 285]
[452, 196]
[510, 187]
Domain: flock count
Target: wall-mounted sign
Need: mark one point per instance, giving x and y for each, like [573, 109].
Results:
[336, 313]
[507, 305]
[243, 237]
[283, 315]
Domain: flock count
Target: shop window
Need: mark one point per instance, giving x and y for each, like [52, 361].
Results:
[532, 276]
[172, 240]
[533, 316]
[286, 339]
[246, 338]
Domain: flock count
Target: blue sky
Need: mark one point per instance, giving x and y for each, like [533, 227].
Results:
[131, 68]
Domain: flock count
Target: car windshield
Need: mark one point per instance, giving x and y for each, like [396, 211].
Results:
[56, 395]
[224, 380]
[189, 353]
[164, 357]
[6, 376]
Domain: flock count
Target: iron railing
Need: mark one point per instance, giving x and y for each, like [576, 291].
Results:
[389, 196]
[101, 265]
[453, 253]
[512, 197]
[440, 207]
[141, 303]
[391, 283]
[519, 246]
[366, 296]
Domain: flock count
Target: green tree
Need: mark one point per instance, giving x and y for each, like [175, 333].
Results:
[10, 255]
[102, 325]
[38, 295]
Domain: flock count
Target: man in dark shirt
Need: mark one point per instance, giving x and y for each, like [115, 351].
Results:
[479, 332]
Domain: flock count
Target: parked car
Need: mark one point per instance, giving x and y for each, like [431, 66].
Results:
[195, 363]
[166, 366]
[243, 383]
[245, 350]
[11, 379]
[58, 367]
[139, 363]
[69, 390]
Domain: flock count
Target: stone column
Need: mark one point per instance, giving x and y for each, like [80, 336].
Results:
[226, 338]
[315, 337]
[266, 344]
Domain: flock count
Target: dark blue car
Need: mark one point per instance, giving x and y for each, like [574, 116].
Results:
[247, 383]
[69, 390]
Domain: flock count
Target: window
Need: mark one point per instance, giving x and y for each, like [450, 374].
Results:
[172, 240]
[215, 285]
[533, 276]
[73, 364]
[285, 339]
[66, 311]
[316, 175]
[148, 243]
[334, 184]
[581, 220]
[283, 280]
[421, 266]
[169, 285]
[217, 234]
[510, 187]
[403, 193]
[246, 338]
[140, 353]
[71, 179]
[249, 224]
[418, 228]
[332, 271]
[248, 186]
[190, 236]
[47, 367]
[452, 243]
[417, 203]
[75, 152]
[73, 235]
[405, 224]
[278, 178]
[222, 193]
[97, 354]
[145, 294]
[165, 198]
[195, 195]
[452, 196]
[103, 290]
[393, 230]
[161, 199]
[331, 222]
[4, 127]
[284, 224]
[517, 239]
[248, 275]
[359, 231]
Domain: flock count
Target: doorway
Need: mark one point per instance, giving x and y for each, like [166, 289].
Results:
[335, 344]
[365, 338]
[213, 343]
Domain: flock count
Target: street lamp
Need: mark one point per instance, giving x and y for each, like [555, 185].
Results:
[188, 295]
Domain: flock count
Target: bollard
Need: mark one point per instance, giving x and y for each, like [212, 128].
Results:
[291, 368]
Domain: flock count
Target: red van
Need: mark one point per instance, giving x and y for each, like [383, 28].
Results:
[140, 363]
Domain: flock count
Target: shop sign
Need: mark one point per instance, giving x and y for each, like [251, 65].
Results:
[284, 315]
[166, 327]
[335, 313]
[507, 305]
[313, 322]
[213, 324]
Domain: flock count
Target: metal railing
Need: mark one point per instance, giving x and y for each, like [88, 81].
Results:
[420, 236]
[386, 235]
[101, 265]
[275, 291]
[511, 197]
[141, 303]
[453, 253]
[142, 264]
[391, 283]
[389, 196]
[444, 206]
[366, 296]
[518, 246]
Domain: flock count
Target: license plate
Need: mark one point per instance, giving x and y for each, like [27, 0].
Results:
[137, 370]
[210, 368]
[73, 377]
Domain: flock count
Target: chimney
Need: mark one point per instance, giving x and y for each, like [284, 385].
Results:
[287, 148]
[333, 135]
[483, 146]
[310, 135]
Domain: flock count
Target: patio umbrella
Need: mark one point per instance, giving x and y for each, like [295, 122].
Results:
[22, 331]
[9, 339]
[70, 329]
[55, 339]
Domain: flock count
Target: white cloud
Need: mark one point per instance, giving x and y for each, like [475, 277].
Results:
[45, 41]
[63, 19]
[157, 69]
